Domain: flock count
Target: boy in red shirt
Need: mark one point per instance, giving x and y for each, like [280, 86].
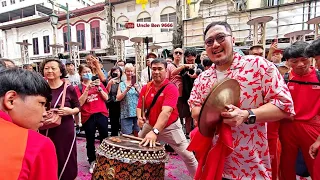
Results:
[162, 118]
[313, 50]
[24, 153]
[302, 132]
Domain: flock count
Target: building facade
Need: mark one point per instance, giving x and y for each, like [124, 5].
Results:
[155, 11]
[288, 16]
[28, 21]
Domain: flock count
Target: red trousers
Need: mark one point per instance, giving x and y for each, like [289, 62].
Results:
[294, 135]
[274, 150]
[274, 147]
[316, 167]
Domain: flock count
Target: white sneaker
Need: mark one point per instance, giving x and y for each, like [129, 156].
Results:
[92, 166]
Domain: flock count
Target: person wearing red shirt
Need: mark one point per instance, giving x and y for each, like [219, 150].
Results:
[314, 153]
[25, 154]
[303, 131]
[313, 50]
[163, 121]
[92, 96]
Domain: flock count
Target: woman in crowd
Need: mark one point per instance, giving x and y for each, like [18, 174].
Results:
[128, 93]
[92, 96]
[112, 103]
[63, 136]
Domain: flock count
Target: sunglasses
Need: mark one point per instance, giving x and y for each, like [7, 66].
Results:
[177, 52]
[219, 38]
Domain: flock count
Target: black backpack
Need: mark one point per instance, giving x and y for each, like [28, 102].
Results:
[287, 80]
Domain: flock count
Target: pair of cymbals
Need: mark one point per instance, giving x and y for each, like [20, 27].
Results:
[224, 93]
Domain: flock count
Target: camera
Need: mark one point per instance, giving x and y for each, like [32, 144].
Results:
[114, 75]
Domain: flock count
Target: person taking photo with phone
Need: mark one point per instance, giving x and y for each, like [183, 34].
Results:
[112, 103]
[128, 93]
[94, 114]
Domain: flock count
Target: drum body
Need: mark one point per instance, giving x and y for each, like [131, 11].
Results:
[123, 158]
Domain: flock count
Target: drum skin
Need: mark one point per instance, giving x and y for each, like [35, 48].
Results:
[114, 161]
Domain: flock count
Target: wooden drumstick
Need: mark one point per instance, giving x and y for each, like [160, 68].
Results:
[143, 108]
[137, 138]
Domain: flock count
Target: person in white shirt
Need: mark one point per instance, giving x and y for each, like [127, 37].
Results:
[72, 75]
[146, 72]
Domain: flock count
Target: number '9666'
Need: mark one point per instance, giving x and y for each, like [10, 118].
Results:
[166, 24]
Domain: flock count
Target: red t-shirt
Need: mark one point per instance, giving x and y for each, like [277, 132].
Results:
[168, 97]
[25, 154]
[305, 97]
[94, 103]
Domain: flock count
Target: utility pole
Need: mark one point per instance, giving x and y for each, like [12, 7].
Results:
[66, 8]
[110, 30]
[177, 40]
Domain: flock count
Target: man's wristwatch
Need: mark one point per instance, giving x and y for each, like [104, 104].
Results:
[99, 89]
[156, 131]
[251, 118]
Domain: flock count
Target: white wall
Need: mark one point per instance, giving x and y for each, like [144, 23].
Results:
[88, 19]
[73, 4]
[163, 39]
[10, 37]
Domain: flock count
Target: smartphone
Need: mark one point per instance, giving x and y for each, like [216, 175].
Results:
[94, 78]
[133, 80]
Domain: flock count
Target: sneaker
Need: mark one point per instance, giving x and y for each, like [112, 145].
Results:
[92, 166]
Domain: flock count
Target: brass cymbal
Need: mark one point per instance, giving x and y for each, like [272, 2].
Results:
[224, 93]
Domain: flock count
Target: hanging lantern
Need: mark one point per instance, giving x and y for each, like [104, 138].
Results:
[143, 3]
[188, 2]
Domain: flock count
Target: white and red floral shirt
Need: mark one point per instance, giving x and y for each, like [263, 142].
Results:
[260, 83]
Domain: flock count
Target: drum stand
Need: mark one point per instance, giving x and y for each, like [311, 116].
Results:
[259, 28]
[154, 48]
[74, 53]
[140, 62]
[24, 52]
[56, 49]
[120, 46]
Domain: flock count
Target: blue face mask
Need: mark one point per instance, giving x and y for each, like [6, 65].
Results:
[87, 76]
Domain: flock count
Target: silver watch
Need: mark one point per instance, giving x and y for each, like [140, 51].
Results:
[156, 131]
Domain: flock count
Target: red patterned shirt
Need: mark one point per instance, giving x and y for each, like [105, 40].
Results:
[260, 83]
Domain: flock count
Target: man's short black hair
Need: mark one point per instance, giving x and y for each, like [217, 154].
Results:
[68, 62]
[25, 83]
[221, 23]
[2, 64]
[296, 50]
[26, 66]
[61, 67]
[160, 60]
[313, 49]
[207, 62]
[190, 52]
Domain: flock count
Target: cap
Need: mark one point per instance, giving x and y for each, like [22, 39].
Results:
[151, 53]
[256, 46]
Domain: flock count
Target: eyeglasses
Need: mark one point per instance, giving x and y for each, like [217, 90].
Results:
[178, 52]
[219, 38]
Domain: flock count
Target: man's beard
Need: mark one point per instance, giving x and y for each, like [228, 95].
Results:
[223, 61]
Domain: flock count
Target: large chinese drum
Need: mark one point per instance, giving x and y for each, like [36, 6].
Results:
[123, 158]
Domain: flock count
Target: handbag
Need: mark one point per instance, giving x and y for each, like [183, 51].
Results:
[52, 115]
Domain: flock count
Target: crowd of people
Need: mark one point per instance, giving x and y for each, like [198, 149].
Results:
[274, 128]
